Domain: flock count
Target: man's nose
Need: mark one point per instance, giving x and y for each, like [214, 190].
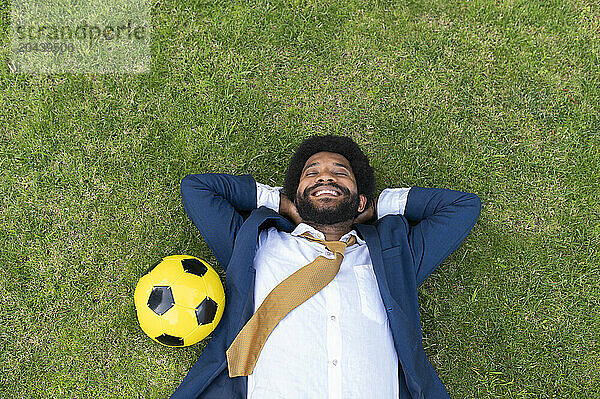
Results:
[325, 176]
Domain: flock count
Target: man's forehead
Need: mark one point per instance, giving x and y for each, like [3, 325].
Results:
[327, 157]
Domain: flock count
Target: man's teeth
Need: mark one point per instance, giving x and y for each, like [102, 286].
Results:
[325, 192]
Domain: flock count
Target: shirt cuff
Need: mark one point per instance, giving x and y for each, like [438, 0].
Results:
[267, 196]
[392, 201]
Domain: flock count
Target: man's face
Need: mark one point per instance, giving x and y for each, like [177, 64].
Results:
[327, 191]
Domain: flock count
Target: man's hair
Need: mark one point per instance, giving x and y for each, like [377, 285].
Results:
[363, 172]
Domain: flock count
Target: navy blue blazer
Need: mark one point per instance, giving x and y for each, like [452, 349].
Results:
[402, 255]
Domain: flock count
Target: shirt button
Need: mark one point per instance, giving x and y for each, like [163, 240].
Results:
[334, 362]
[333, 318]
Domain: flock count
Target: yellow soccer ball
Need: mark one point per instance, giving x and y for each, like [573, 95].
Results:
[179, 301]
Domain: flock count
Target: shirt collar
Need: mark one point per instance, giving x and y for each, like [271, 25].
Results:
[304, 228]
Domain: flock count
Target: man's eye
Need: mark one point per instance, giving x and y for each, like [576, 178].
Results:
[310, 173]
[342, 174]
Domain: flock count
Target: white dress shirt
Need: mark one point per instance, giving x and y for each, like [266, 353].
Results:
[337, 344]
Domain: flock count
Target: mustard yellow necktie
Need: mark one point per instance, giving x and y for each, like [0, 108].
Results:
[285, 297]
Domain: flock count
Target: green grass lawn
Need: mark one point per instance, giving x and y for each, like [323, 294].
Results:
[500, 98]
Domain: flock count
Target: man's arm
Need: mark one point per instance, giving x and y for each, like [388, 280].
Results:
[391, 201]
[443, 220]
[273, 198]
[213, 202]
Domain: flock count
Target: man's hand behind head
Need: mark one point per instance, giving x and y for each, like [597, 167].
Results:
[288, 209]
[368, 215]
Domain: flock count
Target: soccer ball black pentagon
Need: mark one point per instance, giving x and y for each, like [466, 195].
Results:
[179, 301]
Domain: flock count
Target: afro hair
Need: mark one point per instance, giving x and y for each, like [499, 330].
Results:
[345, 146]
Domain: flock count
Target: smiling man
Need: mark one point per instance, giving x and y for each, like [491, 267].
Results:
[321, 285]
[327, 196]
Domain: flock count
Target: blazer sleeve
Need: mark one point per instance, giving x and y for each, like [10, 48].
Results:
[213, 202]
[443, 220]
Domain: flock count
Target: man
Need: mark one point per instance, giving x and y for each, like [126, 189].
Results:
[359, 335]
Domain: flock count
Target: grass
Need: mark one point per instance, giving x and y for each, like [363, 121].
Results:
[500, 98]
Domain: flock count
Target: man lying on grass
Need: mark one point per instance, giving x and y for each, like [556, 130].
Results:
[321, 286]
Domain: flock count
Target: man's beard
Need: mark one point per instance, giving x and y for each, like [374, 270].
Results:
[346, 209]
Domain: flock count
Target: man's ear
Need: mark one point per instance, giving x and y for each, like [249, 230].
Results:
[362, 203]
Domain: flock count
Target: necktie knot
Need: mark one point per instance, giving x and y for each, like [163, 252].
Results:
[333, 246]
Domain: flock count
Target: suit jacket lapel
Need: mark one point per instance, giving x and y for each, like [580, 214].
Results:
[371, 236]
[407, 339]
[240, 272]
